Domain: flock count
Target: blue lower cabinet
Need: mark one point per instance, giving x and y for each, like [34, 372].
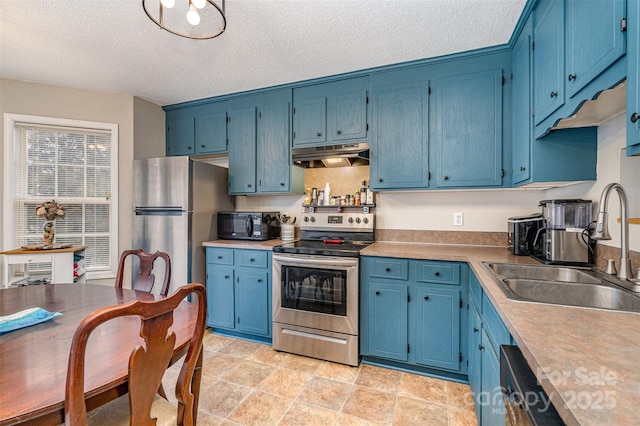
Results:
[490, 398]
[220, 296]
[252, 307]
[387, 322]
[486, 333]
[409, 322]
[239, 292]
[474, 369]
[438, 327]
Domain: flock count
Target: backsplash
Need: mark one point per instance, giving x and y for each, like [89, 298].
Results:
[343, 180]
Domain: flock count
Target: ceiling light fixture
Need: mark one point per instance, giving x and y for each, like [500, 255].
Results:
[196, 19]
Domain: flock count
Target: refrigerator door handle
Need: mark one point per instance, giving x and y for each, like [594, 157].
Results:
[159, 211]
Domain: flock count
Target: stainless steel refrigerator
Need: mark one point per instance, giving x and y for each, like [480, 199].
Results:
[175, 203]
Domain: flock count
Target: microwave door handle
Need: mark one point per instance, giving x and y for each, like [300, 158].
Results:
[249, 226]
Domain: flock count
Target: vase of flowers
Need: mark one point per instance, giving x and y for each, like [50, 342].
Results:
[51, 211]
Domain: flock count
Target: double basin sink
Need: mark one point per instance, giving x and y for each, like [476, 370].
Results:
[564, 285]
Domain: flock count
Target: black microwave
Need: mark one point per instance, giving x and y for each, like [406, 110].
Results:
[248, 225]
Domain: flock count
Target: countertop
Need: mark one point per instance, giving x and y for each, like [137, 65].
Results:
[587, 360]
[244, 244]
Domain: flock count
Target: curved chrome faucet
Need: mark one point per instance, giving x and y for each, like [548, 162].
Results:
[602, 228]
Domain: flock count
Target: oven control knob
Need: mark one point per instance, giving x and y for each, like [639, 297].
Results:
[365, 220]
[357, 220]
[350, 220]
[306, 219]
[313, 219]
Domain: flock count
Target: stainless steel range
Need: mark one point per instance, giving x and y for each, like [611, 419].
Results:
[315, 287]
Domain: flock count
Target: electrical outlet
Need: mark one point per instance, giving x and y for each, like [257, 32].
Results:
[458, 219]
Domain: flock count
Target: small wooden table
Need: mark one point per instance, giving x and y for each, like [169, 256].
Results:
[62, 263]
[33, 360]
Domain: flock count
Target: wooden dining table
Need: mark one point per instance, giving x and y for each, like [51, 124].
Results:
[33, 360]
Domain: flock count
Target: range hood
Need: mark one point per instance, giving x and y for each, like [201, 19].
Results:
[356, 154]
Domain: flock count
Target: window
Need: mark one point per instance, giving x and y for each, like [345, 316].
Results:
[74, 163]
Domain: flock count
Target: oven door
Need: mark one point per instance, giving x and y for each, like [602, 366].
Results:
[318, 292]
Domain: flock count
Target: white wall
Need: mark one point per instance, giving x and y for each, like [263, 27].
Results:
[27, 98]
[488, 210]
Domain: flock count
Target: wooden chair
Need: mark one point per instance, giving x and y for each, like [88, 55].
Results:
[144, 279]
[146, 366]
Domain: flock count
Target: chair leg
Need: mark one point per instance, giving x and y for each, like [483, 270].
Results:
[195, 384]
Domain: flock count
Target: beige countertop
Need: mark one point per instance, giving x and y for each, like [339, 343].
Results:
[587, 360]
[243, 244]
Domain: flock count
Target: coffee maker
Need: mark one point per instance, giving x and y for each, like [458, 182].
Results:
[565, 235]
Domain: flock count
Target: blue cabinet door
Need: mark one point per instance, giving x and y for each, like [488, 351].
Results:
[180, 136]
[438, 327]
[388, 320]
[242, 151]
[492, 412]
[594, 38]
[220, 297]
[211, 133]
[274, 148]
[400, 135]
[521, 109]
[252, 301]
[468, 130]
[475, 360]
[549, 58]
[633, 78]
[349, 115]
[310, 122]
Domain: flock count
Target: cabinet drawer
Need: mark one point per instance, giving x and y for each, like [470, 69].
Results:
[396, 269]
[251, 258]
[16, 259]
[475, 291]
[497, 331]
[438, 272]
[219, 256]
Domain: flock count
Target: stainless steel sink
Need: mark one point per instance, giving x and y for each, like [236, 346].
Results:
[562, 285]
[543, 272]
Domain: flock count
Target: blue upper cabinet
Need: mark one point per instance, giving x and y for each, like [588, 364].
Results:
[242, 150]
[468, 130]
[310, 121]
[549, 54]
[521, 107]
[544, 160]
[330, 113]
[578, 51]
[211, 128]
[197, 130]
[274, 148]
[399, 155]
[633, 79]
[260, 145]
[594, 39]
[180, 135]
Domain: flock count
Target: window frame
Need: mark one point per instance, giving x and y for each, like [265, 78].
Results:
[9, 237]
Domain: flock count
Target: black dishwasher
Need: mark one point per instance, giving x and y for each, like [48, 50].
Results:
[526, 403]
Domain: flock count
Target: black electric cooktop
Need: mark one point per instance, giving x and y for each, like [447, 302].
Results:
[322, 248]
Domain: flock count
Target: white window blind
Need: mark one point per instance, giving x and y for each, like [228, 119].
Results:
[76, 166]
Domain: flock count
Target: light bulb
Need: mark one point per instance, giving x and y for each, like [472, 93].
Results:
[199, 4]
[168, 3]
[192, 16]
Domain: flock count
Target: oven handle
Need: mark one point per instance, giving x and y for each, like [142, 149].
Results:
[319, 261]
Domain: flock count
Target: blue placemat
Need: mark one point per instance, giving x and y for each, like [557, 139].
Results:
[25, 318]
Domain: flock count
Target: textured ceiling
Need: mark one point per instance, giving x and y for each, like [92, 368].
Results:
[111, 45]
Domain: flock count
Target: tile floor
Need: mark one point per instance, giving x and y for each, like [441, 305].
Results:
[247, 383]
